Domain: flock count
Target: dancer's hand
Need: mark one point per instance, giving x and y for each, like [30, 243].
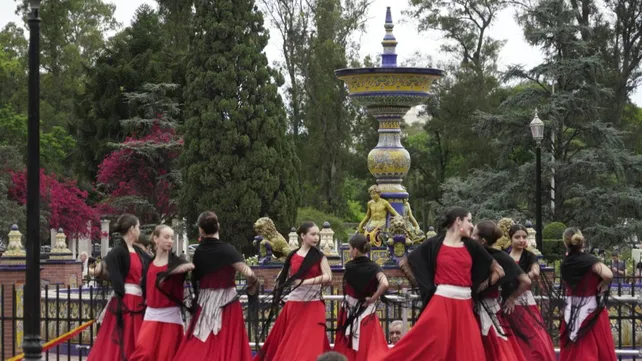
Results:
[509, 306]
[370, 300]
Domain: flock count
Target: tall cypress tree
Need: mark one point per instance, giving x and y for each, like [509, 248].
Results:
[237, 159]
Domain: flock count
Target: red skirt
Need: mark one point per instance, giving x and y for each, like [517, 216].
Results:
[372, 341]
[446, 331]
[231, 343]
[157, 341]
[298, 334]
[596, 345]
[538, 346]
[107, 344]
[498, 349]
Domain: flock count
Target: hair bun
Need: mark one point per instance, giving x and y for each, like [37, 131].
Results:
[577, 239]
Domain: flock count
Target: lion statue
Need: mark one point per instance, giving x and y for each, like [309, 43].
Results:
[397, 226]
[504, 242]
[265, 228]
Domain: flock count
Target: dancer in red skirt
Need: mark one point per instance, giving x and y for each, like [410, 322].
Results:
[162, 329]
[217, 329]
[299, 331]
[585, 332]
[498, 336]
[126, 264]
[360, 336]
[537, 344]
[449, 269]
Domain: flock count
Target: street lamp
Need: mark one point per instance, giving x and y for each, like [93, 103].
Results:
[537, 130]
[31, 342]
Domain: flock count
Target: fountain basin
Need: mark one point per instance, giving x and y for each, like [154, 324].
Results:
[389, 86]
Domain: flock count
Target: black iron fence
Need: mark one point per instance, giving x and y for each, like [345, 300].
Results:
[65, 308]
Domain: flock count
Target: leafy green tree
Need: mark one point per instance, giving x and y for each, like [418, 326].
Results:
[132, 59]
[10, 211]
[73, 36]
[56, 145]
[595, 177]
[237, 159]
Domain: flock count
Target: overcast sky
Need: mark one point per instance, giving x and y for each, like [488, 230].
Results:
[515, 51]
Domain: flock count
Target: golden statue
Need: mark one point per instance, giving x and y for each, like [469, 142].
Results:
[375, 219]
[415, 233]
[265, 228]
[504, 242]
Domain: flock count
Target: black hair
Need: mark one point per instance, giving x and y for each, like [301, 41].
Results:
[516, 228]
[360, 243]
[124, 223]
[489, 231]
[208, 222]
[451, 216]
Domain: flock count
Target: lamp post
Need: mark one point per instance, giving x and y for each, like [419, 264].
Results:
[31, 343]
[537, 131]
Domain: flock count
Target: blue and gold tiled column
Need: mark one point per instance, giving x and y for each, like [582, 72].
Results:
[387, 93]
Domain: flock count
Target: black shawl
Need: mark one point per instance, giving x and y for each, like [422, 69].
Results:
[575, 267]
[423, 262]
[210, 256]
[509, 283]
[527, 260]
[360, 273]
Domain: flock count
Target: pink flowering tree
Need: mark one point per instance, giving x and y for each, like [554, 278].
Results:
[141, 175]
[64, 205]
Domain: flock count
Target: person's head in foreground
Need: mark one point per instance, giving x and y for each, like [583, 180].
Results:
[332, 356]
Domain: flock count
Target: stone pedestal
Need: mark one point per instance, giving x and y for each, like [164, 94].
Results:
[60, 250]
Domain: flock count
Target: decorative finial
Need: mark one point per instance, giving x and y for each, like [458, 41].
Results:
[389, 43]
[60, 230]
[326, 224]
[14, 227]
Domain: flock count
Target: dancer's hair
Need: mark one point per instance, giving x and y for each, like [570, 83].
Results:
[360, 243]
[208, 222]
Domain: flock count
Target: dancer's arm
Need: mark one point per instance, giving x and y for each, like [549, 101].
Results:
[246, 271]
[496, 272]
[383, 287]
[605, 273]
[534, 272]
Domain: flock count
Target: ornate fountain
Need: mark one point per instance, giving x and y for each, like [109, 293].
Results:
[387, 93]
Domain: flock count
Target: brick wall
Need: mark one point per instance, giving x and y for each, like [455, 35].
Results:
[63, 273]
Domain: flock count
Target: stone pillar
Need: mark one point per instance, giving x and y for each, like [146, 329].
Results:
[84, 242]
[52, 237]
[185, 246]
[104, 237]
[176, 247]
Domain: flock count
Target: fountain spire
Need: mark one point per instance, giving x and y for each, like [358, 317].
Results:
[389, 43]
